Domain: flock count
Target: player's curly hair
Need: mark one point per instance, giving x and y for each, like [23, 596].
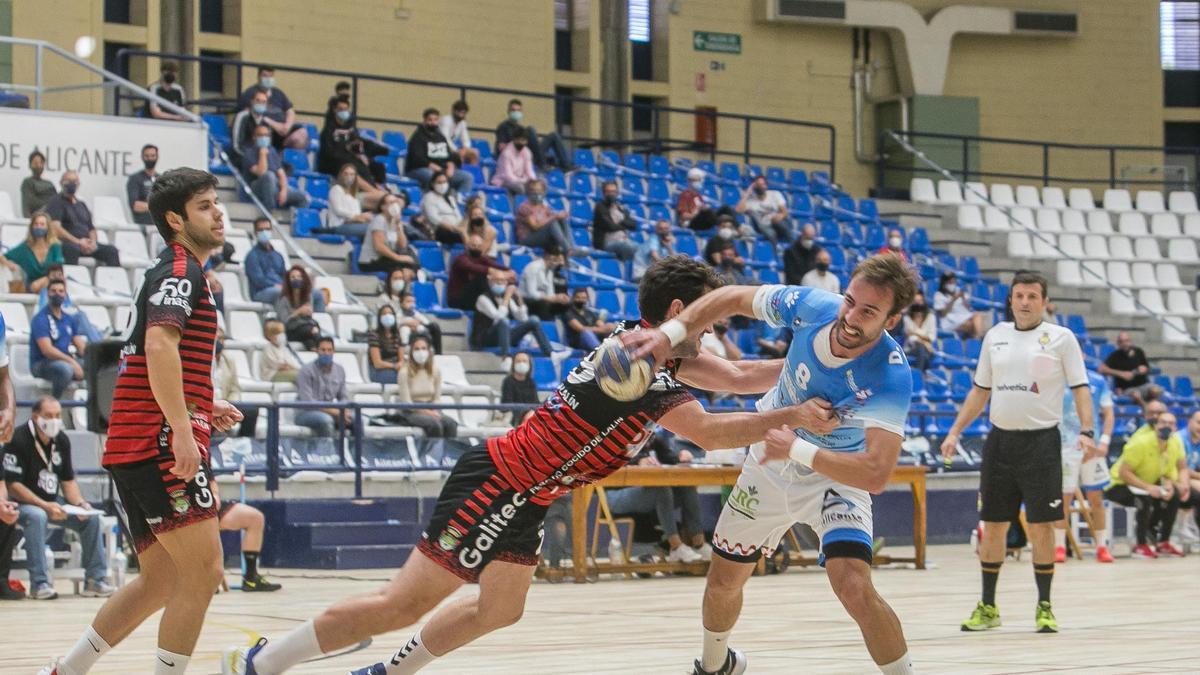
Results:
[890, 271]
[673, 277]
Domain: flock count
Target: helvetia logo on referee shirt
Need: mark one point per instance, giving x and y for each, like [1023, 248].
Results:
[1031, 388]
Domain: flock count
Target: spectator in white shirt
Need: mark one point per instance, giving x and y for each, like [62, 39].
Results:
[440, 207]
[543, 286]
[767, 210]
[820, 276]
[501, 319]
[953, 307]
[656, 247]
[345, 214]
[454, 128]
[277, 362]
[920, 331]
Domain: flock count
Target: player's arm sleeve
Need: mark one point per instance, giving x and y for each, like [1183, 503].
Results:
[888, 409]
[779, 305]
[983, 371]
[173, 299]
[1072, 360]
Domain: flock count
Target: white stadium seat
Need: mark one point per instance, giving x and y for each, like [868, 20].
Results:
[996, 220]
[1165, 225]
[1179, 303]
[1150, 201]
[325, 321]
[1099, 222]
[1146, 248]
[1119, 274]
[1049, 220]
[1002, 195]
[1182, 202]
[1191, 225]
[975, 193]
[1068, 273]
[1053, 198]
[1095, 246]
[109, 212]
[1167, 275]
[1082, 199]
[99, 317]
[1183, 251]
[1175, 331]
[1022, 218]
[970, 217]
[1093, 273]
[922, 190]
[247, 327]
[114, 282]
[132, 246]
[949, 192]
[1116, 199]
[1120, 248]
[1073, 221]
[12, 235]
[1028, 195]
[7, 213]
[246, 379]
[231, 284]
[1044, 246]
[1143, 275]
[1121, 302]
[1071, 245]
[1132, 224]
[347, 324]
[1151, 300]
[1019, 245]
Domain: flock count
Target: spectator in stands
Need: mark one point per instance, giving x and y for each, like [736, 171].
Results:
[386, 247]
[10, 534]
[263, 169]
[345, 214]
[537, 225]
[501, 319]
[277, 362]
[265, 267]
[37, 464]
[1191, 452]
[1130, 370]
[1150, 414]
[611, 224]
[657, 246]
[544, 285]
[730, 266]
[295, 306]
[585, 326]
[894, 244]
[726, 231]
[1156, 465]
[477, 223]
[227, 385]
[342, 144]
[801, 256]
[952, 304]
[454, 128]
[468, 277]
[234, 516]
[717, 342]
[340, 89]
[280, 114]
[663, 501]
[920, 332]
[514, 166]
[36, 191]
[83, 325]
[820, 276]
[429, 154]
[518, 387]
[767, 211]
[33, 256]
[169, 89]
[413, 322]
[137, 187]
[440, 207]
[544, 148]
[52, 333]
[72, 223]
[324, 381]
[385, 353]
[774, 346]
[692, 208]
[420, 381]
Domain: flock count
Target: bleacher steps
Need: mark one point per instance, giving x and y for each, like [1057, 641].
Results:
[342, 533]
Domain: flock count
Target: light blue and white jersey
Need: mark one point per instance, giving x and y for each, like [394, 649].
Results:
[1101, 398]
[3, 342]
[873, 390]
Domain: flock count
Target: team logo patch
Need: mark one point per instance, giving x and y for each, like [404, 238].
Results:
[173, 293]
[449, 539]
[11, 464]
[744, 501]
[836, 508]
[1044, 340]
[179, 501]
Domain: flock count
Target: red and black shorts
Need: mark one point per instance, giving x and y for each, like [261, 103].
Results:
[157, 501]
[479, 518]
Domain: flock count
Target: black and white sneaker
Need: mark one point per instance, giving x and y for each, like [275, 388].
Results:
[735, 664]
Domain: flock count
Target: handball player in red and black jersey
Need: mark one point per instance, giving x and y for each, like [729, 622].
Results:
[487, 525]
[157, 449]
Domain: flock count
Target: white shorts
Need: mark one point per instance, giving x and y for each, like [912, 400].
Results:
[766, 503]
[1090, 475]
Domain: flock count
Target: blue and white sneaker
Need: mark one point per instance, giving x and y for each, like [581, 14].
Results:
[377, 669]
[240, 660]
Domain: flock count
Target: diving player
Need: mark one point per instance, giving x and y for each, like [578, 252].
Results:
[840, 353]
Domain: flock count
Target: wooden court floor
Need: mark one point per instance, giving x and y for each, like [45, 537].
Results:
[1135, 616]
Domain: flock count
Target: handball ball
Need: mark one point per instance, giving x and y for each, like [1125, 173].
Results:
[84, 46]
[620, 376]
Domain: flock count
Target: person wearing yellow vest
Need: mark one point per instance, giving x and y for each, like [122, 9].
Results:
[1152, 476]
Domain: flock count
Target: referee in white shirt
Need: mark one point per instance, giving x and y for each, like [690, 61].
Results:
[1024, 366]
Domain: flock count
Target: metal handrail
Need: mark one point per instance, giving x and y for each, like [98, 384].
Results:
[463, 89]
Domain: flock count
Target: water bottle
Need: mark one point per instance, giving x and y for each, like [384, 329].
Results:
[615, 555]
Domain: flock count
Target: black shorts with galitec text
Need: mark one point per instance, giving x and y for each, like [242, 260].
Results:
[479, 518]
[157, 501]
[1021, 467]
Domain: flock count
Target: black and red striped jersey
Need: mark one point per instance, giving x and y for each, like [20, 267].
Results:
[174, 293]
[580, 435]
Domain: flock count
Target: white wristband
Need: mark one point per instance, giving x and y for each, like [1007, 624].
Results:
[1104, 439]
[803, 452]
[675, 331]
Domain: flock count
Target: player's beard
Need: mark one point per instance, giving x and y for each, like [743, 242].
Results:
[847, 341]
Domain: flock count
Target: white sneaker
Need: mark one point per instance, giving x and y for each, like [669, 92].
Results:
[43, 592]
[51, 669]
[97, 589]
[684, 554]
[705, 551]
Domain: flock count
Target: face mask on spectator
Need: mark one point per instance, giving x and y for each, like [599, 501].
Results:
[519, 146]
[36, 171]
[262, 141]
[895, 242]
[388, 321]
[441, 188]
[474, 252]
[397, 285]
[696, 184]
[56, 301]
[951, 288]
[579, 304]
[420, 356]
[521, 368]
[478, 222]
[610, 199]
[150, 164]
[725, 232]
[822, 267]
[431, 126]
[296, 283]
[280, 339]
[918, 307]
[1165, 433]
[760, 190]
[49, 427]
[349, 180]
[259, 108]
[267, 82]
[806, 243]
[498, 289]
[536, 197]
[343, 115]
[263, 237]
[516, 115]
[39, 232]
[70, 188]
[168, 78]
[394, 210]
[325, 359]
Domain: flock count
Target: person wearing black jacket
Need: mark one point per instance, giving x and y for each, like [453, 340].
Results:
[539, 145]
[518, 386]
[429, 152]
[341, 144]
[663, 501]
[611, 221]
[801, 256]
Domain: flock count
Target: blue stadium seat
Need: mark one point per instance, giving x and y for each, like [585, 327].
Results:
[218, 128]
[918, 384]
[581, 185]
[960, 384]
[951, 353]
[543, 373]
[936, 389]
[769, 275]
[764, 252]
[608, 300]
[1184, 393]
[1076, 325]
[633, 187]
[658, 191]
[518, 261]
[798, 180]
[397, 141]
[636, 162]
[968, 268]
[1164, 382]
[731, 172]
[484, 149]
[630, 306]
[874, 236]
[750, 172]
[820, 183]
[852, 235]
[918, 240]
[777, 178]
[305, 222]
[611, 267]
[476, 172]
[828, 233]
[432, 260]
[1106, 349]
[584, 160]
[556, 181]
[730, 196]
[581, 211]
[974, 347]
[868, 209]
[659, 166]
[658, 212]
[685, 244]
[550, 328]
[498, 204]
[837, 259]
[609, 158]
[711, 192]
[707, 167]
[801, 205]
[425, 294]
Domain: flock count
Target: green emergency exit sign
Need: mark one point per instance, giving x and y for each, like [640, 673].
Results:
[723, 43]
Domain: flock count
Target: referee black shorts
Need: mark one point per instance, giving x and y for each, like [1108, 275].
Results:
[1021, 466]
